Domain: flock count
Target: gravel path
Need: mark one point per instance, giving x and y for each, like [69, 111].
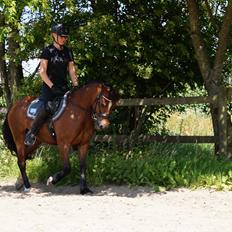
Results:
[113, 209]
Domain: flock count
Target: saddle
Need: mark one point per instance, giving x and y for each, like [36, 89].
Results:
[56, 107]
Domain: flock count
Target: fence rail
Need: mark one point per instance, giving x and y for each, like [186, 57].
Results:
[120, 139]
[220, 100]
[162, 139]
[167, 101]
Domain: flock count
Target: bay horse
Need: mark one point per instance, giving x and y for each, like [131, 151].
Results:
[87, 107]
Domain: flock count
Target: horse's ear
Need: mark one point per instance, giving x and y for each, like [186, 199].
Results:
[112, 94]
[107, 86]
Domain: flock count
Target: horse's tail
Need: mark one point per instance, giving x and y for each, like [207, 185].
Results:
[7, 136]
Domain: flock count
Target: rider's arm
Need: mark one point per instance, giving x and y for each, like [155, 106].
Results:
[43, 72]
[72, 73]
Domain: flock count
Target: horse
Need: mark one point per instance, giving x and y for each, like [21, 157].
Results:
[88, 108]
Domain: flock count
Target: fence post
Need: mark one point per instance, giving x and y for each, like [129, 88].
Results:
[222, 121]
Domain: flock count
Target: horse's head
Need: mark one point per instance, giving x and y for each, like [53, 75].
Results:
[105, 102]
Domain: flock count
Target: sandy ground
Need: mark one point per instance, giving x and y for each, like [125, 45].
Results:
[113, 208]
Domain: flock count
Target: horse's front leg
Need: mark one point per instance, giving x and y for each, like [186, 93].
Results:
[22, 167]
[64, 150]
[83, 149]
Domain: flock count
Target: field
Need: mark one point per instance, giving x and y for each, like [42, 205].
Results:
[190, 122]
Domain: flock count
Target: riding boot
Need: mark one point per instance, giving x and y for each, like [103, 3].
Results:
[39, 120]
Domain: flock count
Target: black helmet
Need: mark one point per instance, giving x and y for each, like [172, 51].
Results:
[60, 29]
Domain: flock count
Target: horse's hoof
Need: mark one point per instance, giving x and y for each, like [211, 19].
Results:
[26, 190]
[19, 183]
[86, 191]
[49, 181]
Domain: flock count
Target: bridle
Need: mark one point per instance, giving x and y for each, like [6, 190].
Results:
[96, 110]
[97, 105]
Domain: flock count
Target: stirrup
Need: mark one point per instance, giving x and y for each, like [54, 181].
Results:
[30, 139]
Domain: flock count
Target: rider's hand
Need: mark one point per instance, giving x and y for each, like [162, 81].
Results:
[75, 87]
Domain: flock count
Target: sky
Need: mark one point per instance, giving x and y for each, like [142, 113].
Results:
[29, 66]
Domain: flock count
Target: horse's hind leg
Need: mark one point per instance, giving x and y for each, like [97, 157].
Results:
[64, 150]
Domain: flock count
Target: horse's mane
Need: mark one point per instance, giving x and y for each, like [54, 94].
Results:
[90, 82]
[112, 95]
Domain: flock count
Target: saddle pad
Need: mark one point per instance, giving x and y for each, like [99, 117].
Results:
[59, 109]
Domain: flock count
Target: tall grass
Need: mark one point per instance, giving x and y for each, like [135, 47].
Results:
[8, 164]
[159, 165]
[191, 122]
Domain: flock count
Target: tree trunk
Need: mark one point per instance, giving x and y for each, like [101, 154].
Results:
[15, 66]
[3, 75]
[3, 67]
[211, 71]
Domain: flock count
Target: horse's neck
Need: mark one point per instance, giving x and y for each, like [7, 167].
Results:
[86, 96]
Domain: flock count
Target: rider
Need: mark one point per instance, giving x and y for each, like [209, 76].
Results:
[56, 62]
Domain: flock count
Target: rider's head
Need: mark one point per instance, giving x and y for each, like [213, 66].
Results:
[59, 34]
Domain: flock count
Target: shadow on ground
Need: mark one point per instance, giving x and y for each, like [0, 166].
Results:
[8, 189]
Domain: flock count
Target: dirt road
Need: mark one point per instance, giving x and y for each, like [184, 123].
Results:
[113, 209]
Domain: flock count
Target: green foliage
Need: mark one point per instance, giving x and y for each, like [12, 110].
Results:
[8, 163]
[152, 55]
[30, 87]
[168, 166]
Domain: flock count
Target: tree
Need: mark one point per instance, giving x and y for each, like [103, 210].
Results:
[3, 68]
[211, 64]
[16, 39]
[145, 51]
[10, 64]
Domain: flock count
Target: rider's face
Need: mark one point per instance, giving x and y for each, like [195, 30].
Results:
[61, 40]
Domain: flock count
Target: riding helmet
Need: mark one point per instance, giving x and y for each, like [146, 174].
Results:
[60, 29]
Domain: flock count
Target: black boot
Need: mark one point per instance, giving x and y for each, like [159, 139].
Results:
[39, 120]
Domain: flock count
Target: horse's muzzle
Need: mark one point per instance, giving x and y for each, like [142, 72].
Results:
[102, 123]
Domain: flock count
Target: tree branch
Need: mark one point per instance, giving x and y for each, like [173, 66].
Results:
[223, 40]
[198, 43]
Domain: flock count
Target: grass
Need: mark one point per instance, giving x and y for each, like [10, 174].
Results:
[162, 166]
[168, 166]
[190, 123]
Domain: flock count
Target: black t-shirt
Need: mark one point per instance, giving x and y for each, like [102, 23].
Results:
[58, 60]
